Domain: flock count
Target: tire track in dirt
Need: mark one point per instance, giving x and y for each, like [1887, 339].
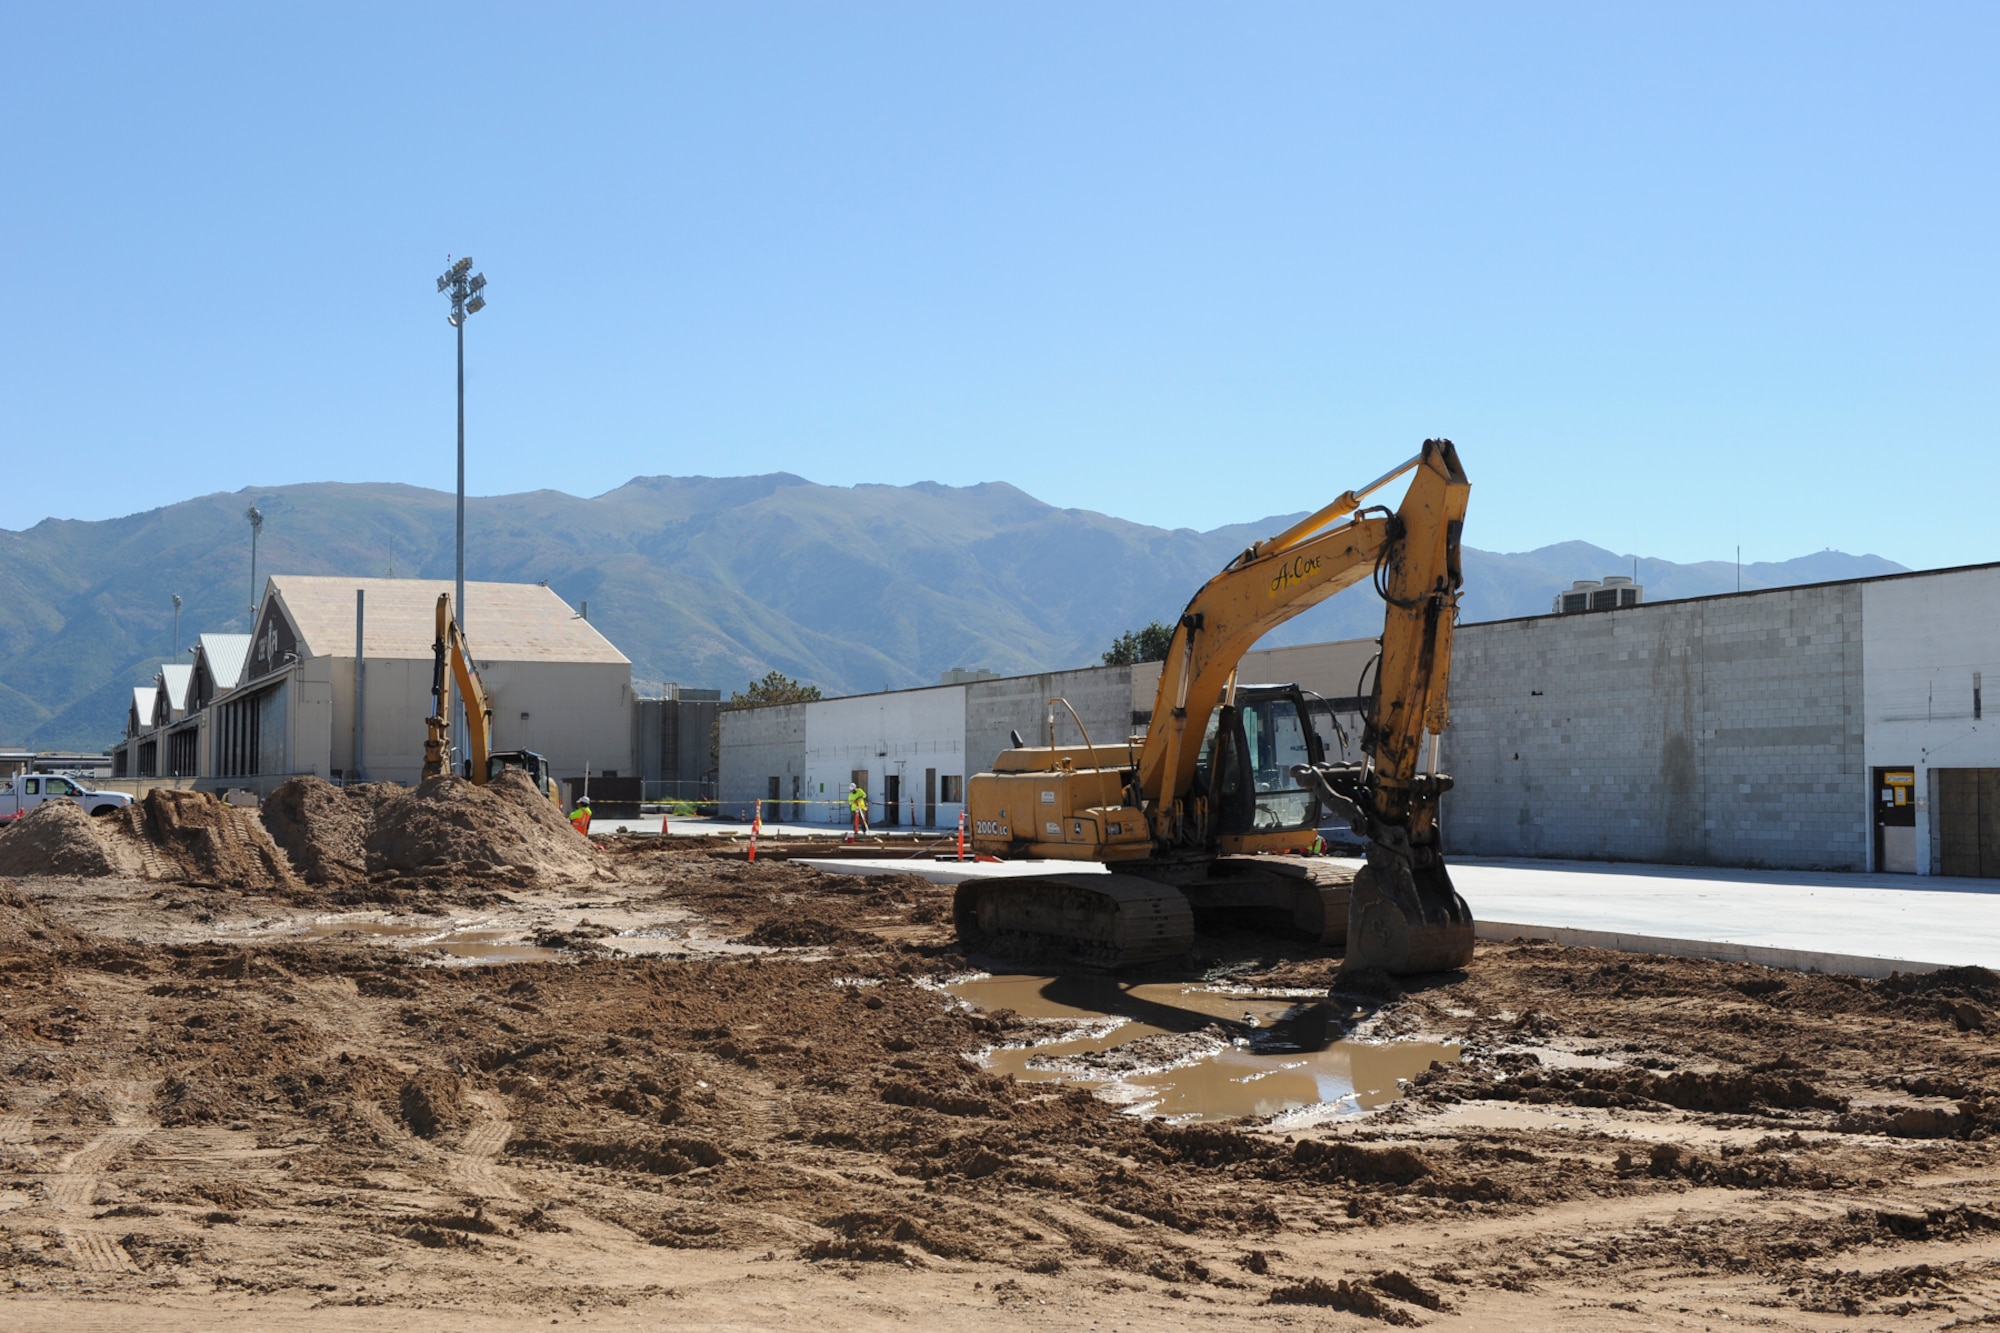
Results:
[18, 1128]
[95, 1252]
[476, 1164]
[74, 1181]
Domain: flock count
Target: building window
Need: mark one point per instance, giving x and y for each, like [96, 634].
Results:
[951, 789]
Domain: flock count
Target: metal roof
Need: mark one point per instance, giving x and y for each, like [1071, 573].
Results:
[504, 622]
[225, 654]
[176, 677]
[144, 699]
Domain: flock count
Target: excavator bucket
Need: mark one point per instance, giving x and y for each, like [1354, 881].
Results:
[1403, 920]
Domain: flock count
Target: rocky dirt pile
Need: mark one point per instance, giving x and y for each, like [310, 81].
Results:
[193, 838]
[446, 828]
[58, 838]
[323, 828]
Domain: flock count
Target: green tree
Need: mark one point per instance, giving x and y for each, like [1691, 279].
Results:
[775, 688]
[1140, 645]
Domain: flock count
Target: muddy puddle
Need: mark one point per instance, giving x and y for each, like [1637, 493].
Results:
[508, 939]
[1197, 1053]
[471, 944]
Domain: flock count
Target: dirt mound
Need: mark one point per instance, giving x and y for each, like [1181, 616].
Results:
[323, 828]
[195, 838]
[450, 826]
[58, 838]
[446, 827]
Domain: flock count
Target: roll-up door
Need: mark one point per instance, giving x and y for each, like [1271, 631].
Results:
[1968, 815]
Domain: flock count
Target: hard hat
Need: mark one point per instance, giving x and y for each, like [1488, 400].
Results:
[584, 801]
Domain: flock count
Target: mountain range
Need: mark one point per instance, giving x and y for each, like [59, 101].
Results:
[703, 580]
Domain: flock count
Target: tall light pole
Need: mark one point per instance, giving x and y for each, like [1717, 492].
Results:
[465, 289]
[256, 517]
[177, 626]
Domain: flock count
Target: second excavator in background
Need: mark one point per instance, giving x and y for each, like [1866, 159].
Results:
[482, 763]
[1228, 772]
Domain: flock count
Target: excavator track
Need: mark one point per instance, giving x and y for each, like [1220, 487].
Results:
[1102, 922]
[1283, 895]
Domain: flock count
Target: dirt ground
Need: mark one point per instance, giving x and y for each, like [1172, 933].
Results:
[678, 1089]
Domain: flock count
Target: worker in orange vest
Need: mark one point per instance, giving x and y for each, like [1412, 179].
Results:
[579, 818]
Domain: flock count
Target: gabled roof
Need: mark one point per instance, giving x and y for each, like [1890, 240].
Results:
[145, 698]
[504, 622]
[225, 654]
[175, 677]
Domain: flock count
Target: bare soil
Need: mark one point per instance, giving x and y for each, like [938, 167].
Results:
[217, 1109]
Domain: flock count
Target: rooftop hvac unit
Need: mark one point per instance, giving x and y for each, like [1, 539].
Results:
[1607, 594]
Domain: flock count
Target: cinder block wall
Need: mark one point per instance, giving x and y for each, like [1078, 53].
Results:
[1102, 696]
[756, 743]
[1723, 731]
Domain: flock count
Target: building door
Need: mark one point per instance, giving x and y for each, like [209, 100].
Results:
[796, 780]
[930, 798]
[1896, 821]
[892, 799]
[1968, 815]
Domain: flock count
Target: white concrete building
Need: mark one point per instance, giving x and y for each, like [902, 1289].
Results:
[907, 750]
[911, 750]
[1928, 644]
[1833, 726]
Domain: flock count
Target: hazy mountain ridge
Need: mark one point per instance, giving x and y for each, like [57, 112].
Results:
[701, 580]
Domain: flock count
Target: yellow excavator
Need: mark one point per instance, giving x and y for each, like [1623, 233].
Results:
[1228, 770]
[482, 763]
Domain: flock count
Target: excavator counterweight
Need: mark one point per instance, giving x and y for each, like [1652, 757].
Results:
[1229, 772]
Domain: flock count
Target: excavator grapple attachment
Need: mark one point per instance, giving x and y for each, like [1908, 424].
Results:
[1403, 920]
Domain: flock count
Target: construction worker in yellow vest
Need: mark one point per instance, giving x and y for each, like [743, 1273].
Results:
[579, 818]
[857, 806]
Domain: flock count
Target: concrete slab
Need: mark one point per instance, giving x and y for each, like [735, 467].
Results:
[695, 826]
[1781, 918]
[946, 872]
[1862, 925]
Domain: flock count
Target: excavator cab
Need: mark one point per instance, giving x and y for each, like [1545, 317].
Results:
[536, 766]
[1247, 756]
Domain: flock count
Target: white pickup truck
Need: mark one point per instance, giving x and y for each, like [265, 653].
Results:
[29, 790]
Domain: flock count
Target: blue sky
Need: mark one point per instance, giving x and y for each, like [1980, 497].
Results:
[1672, 276]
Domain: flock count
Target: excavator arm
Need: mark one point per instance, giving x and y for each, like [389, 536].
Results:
[1413, 556]
[453, 665]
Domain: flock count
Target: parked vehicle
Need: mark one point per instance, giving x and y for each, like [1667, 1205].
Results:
[29, 790]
